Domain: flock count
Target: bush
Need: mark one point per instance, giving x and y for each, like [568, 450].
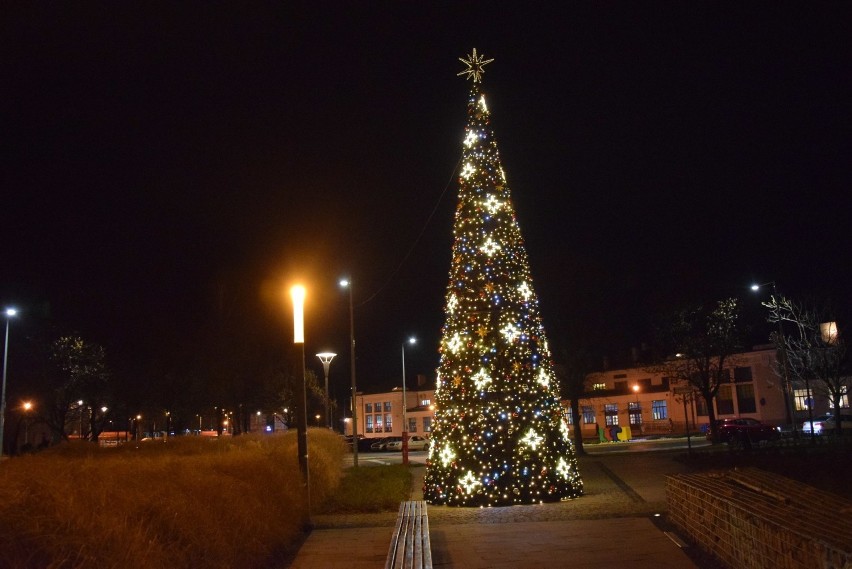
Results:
[188, 502]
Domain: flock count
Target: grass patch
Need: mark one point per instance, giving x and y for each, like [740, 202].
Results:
[370, 489]
[189, 502]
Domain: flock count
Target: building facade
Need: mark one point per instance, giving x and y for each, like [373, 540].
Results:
[381, 414]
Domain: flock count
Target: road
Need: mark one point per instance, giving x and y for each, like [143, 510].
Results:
[633, 446]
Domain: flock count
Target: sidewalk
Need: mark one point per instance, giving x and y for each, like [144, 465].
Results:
[611, 525]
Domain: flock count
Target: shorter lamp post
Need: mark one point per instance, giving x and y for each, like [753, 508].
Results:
[411, 341]
[325, 358]
[638, 408]
[27, 406]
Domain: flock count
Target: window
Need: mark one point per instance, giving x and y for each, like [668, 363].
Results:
[844, 397]
[387, 407]
[745, 398]
[701, 406]
[427, 424]
[621, 386]
[644, 383]
[611, 414]
[599, 387]
[378, 423]
[369, 424]
[742, 374]
[388, 423]
[634, 411]
[659, 409]
[425, 402]
[588, 414]
[412, 425]
[802, 399]
[725, 401]
[368, 407]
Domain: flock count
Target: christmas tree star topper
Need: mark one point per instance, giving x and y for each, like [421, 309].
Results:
[475, 64]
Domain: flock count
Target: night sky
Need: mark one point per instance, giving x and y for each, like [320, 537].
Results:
[156, 157]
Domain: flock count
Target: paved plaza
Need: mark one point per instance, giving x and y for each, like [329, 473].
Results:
[617, 522]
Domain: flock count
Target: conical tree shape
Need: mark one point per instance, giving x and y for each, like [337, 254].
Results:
[500, 435]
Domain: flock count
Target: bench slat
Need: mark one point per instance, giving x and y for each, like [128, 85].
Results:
[410, 546]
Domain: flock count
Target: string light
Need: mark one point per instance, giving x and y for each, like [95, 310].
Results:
[500, 434]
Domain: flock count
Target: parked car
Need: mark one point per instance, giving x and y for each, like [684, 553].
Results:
[826, 424]
[415, 442]
[745, 431]
[382, 444]
[815, 427]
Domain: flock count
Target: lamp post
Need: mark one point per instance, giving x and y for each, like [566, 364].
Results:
[411, 341]
[638, 408]
[788, 395]
[298, 295]
[348, 284]
[325, 358]
[27, 406]
[10, 312]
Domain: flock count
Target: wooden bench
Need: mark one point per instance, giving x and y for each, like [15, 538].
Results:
[409, 547]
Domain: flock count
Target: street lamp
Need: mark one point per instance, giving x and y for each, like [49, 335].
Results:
[411, 341]
[788, 395]
[325, 358]
[638, 408]
[10, 312]
[298, 295]
[348, 284]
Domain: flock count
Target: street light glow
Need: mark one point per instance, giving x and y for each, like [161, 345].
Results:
[11, 312]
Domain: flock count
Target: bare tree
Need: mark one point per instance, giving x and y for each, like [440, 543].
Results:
[705, 341]
[816, 353]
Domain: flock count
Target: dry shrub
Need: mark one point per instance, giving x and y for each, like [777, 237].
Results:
[189, 502]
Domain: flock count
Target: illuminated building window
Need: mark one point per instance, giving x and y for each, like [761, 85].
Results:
[634, 411]
[368, 407]
[388, 424]
[611, 414]
[659, 409]
[599, 387]
[588, 414]
[412, 425]
[387, 407]
[427, 424]
[369, 424]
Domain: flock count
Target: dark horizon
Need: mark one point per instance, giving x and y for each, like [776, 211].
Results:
[165, 166]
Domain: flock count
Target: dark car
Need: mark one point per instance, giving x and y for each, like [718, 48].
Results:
[745, 432]
[382, 444]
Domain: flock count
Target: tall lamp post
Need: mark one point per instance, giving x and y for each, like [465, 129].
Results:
[788, 395]
[325, 358]
[348, 284]
[411, 341]
[298, 295]
[10, 312]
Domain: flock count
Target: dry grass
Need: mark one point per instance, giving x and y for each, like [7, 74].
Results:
[189, 502]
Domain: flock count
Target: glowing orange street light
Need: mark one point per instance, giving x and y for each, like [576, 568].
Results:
[297, 293]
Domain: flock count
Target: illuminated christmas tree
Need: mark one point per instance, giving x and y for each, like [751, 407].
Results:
[500, 435]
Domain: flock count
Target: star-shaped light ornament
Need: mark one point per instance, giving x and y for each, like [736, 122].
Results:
[469, 482]
[467, 171]
[481, 378]
[563, 468]
[510, 333]
[525, 291]
[475, 64]
[490, 247]
[447, 455]
[493, 205]
[470, 138]
[452, 303]
[532, 439]
[454, 345]
[544, 378]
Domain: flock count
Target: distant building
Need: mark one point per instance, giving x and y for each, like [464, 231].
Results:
[380, 414]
